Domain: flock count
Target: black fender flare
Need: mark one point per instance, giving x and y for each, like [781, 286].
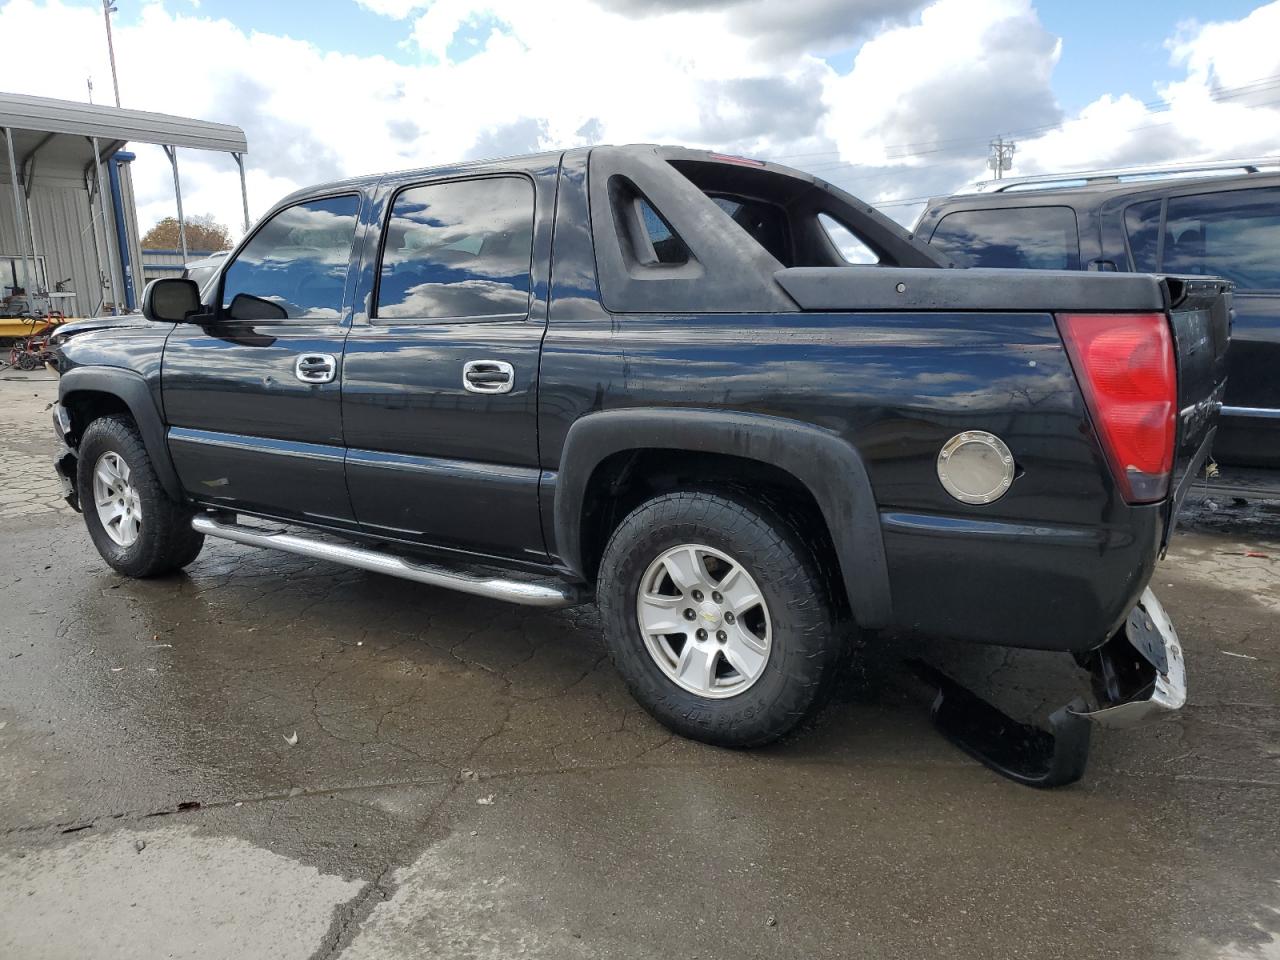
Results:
[129, 387]
[828, 466]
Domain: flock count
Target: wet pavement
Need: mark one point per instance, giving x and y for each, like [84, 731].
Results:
[470, 779]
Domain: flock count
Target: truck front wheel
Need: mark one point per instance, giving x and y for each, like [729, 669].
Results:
[136, 527]
[717, 618]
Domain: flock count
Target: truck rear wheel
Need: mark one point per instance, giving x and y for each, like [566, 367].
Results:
[717, 618]
[135, 525]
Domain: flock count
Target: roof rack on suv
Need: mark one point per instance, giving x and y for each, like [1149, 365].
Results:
[1061, 181]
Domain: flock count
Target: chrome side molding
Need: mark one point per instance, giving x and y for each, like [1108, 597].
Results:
[533, 593]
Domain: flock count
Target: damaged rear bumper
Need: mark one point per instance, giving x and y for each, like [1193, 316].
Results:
[1139, 675]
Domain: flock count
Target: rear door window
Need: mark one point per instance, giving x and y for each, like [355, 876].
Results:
[458, 250]
[1035, 238]
[1234, 234]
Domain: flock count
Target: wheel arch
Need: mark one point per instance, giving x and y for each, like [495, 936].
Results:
[91, 392]
[826, 466]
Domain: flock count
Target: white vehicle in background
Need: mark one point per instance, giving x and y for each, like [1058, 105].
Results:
[201, 270]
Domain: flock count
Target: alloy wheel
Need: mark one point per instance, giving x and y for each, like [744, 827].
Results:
[704, 621]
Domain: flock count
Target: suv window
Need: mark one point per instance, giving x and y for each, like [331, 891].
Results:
[458, 249]
[1234, 234]
[1038, 238]
[296, 265]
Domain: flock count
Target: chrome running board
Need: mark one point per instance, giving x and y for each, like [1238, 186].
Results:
[533, 592]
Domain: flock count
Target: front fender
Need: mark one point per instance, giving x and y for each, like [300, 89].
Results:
[130, 388]
[824, 463]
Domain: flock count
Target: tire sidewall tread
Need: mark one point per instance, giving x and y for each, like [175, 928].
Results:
[805, 649]
[165, 541]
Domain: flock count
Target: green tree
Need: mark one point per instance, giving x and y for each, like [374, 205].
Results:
[203, 233]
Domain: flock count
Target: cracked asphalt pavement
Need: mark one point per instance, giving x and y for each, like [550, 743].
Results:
[470, 779]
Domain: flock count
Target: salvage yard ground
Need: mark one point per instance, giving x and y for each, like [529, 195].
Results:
[270, 757]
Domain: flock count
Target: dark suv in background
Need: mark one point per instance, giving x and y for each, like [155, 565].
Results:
[1219, 220]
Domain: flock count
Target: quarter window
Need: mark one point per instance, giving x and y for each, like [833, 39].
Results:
[851, 248]
[667, 247]
[1234, 234]
[296, 265]
[1037, 238]
[458, 249]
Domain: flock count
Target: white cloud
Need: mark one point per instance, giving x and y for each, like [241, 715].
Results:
[974, 64]
[940, 80]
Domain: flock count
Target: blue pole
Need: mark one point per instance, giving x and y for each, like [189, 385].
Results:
[122, 234]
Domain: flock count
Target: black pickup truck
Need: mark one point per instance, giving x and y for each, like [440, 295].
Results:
[647, 375]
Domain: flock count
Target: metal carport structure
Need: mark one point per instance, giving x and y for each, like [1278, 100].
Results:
[56, 151]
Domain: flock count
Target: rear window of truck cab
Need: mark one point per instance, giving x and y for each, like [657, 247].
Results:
[1029, 238]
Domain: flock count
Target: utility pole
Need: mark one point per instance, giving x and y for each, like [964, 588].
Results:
[108, 8]
[1001, 158]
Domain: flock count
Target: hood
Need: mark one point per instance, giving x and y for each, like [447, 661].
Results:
[67, 330]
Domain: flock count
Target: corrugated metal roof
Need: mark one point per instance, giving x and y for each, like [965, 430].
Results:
[46, 115]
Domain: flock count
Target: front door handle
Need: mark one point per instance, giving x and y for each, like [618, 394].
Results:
[315, 368]
[488, 376]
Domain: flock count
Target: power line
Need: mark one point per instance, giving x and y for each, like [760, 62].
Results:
[1001, 158]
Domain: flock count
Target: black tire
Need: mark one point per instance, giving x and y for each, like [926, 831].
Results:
[807, 646]
[165, 539]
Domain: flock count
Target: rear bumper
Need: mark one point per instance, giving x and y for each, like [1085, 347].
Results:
[1139, 675]
[1037, 586]
[1141, 672]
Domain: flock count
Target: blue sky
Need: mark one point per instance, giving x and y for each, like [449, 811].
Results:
[337, 25]
[1114, 46]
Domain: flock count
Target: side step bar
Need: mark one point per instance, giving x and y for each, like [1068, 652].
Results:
[533, 593]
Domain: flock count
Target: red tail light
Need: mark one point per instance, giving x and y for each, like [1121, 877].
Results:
[1125, 365]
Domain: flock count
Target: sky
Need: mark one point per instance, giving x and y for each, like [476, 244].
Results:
[894, 100]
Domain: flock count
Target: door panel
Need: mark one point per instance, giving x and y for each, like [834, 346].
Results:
[433, 461]
[246, 431]
[1249, 430]
[461, 278]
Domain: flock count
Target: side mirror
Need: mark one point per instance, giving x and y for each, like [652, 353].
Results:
[245, 306]
[170, 300]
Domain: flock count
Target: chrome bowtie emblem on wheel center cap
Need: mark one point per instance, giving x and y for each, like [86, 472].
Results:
[709, 613]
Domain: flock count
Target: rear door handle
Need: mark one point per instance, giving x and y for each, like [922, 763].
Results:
[315, 368]
[488, 376]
